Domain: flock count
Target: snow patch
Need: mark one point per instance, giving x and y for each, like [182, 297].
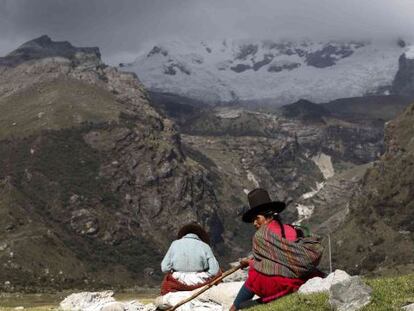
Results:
[313, 192]
[229, 113]
[324, 163]
[304, 212]
[252, 178]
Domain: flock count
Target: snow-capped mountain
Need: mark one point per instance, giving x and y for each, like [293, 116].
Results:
[283, 72]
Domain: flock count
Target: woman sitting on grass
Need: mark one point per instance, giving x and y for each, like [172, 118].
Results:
[189, 262]
[283, 258]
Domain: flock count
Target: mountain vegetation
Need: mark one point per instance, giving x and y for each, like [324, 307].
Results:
[97, 175]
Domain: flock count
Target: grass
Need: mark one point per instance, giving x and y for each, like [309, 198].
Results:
[389, 293]
[61, 103]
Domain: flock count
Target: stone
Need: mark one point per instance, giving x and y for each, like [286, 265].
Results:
[3, 246]
[409, 307]
[223, 293]
[87, 301]
[172, 299]
[350, 295]
[219, 297]
[318, 285]
[238, 276]
[116, 306]
[101, 301]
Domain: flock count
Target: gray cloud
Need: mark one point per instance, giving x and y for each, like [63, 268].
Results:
[122, 27]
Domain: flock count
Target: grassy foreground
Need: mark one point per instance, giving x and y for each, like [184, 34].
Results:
[389, 293]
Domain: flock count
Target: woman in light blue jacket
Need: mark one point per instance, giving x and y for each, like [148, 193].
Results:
[189, 262]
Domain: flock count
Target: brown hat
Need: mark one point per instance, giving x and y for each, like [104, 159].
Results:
[194, 227]
[260, 203]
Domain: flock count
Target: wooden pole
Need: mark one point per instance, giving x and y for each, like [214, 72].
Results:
[330, 253]
[206, 287]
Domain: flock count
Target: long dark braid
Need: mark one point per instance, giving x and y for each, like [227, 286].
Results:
[276, 217]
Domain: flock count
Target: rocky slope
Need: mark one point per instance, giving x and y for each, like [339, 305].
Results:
[403, 83]
[93, 179]
[291, 152]
[379, 234]
[314, 156]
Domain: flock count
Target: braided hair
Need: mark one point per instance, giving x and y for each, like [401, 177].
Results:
[276, 217]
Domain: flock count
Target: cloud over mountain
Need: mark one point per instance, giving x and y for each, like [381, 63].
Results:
[122, 28]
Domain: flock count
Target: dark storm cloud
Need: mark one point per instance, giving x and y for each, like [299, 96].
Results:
[121, 27]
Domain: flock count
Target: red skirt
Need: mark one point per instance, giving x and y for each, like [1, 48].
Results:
[271, 287]
[169, 284]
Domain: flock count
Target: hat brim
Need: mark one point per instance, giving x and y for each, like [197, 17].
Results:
[276, 207]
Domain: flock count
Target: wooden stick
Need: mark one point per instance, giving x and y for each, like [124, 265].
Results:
[206, 287]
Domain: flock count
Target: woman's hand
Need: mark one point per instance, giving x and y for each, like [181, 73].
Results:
[244, 262]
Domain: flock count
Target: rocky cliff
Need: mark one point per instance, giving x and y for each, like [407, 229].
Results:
[378, 236]
[403, 83]
[95, 179]
[94, 183]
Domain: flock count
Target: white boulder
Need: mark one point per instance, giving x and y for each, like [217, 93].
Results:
[318, 285]
[101, 301]
[87, 301]
[350, 295]
[409, 307]
[217, 298]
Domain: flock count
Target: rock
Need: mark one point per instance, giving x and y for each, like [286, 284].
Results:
[172, 299]
[238, 276]
[10, 227]
[87, 301]
[223, 294]
[84, 222]
[403, 83]
[317, 284]
[409, 307]
[116, 306]
[218, 297]
[349, 295]
[43, 48]
[101, 301]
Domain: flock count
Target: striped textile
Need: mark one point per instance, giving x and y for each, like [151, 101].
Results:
[274, 255]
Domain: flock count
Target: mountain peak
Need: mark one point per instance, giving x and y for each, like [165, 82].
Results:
[279, 71]
[305, 110]
[45, 47]
[43, 40]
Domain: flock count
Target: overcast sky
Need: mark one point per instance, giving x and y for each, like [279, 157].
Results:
[122, 27]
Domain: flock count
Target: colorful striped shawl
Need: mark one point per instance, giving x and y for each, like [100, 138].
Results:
[274, 255]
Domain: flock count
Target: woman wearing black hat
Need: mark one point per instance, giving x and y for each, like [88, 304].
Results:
[282, 259]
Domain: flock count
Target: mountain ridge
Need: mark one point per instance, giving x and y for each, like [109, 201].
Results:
[279, 72]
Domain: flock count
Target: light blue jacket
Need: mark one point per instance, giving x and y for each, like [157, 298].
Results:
[190, 254]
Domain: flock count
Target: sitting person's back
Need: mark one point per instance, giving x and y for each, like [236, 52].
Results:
[189, 262]
[190, 254]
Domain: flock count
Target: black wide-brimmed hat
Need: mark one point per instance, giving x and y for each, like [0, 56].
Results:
[260, 203]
